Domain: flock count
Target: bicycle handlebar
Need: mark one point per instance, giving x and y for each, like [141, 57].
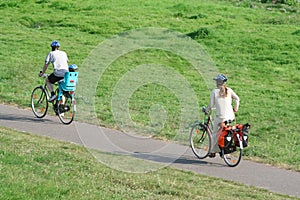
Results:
[204, 109]
[228, 121]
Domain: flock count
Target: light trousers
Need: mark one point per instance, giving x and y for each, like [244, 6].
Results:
[216, 126]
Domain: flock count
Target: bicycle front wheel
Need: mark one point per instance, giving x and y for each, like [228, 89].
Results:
[39, 102]
[200, 141]
[66, 109]
[232, 158]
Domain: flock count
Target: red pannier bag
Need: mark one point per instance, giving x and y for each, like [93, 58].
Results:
[225, 136]
[244, 134]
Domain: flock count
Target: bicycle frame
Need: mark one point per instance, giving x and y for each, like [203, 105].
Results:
[207, 120]
[46, 90]
[48, 93]
[46, 87]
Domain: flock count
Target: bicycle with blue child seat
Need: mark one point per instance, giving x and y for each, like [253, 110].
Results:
[201, 140]
[65, 104]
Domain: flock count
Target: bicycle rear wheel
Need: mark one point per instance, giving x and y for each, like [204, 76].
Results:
[200, 140]
[232, 159]
[39, 102]
[66, 109]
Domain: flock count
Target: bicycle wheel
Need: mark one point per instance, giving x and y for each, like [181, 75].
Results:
[200, 140]
[233, 157]
[39, 102]
[66, 109]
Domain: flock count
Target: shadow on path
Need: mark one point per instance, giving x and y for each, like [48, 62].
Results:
[182, 160]
[10, 117]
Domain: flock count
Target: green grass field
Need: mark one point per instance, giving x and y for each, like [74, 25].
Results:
[33, 167]
[256, 46]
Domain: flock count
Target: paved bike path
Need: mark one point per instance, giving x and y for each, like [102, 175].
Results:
[181, 157]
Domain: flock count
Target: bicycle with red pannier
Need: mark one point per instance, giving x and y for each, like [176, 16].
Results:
[232, 139]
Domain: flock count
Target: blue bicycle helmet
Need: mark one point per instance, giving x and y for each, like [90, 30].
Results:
[73, 67]
[55, 44]
[221, 77]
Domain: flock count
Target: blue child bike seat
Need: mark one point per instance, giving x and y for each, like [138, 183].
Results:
[67, 84]
[70, 81]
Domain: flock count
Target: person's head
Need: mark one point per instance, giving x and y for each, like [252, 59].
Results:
[55, 45]
[220, 79]
[221, 84]
[73, 68]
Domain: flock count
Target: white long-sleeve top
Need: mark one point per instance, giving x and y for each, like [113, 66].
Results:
[223, 105]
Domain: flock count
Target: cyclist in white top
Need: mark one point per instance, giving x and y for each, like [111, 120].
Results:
[221, 99]
[59, 60]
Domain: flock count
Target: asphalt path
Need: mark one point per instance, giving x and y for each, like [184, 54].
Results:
[156, 153]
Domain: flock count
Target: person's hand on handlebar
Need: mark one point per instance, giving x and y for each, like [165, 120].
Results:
[41, 74]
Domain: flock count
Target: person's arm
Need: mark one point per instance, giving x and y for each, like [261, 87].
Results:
[44, 68]
[47, 61]
[212, 101]
[236, 100]
[67, 58]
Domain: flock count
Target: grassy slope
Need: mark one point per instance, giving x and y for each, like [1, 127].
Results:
[33, 167]
[256, 48]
